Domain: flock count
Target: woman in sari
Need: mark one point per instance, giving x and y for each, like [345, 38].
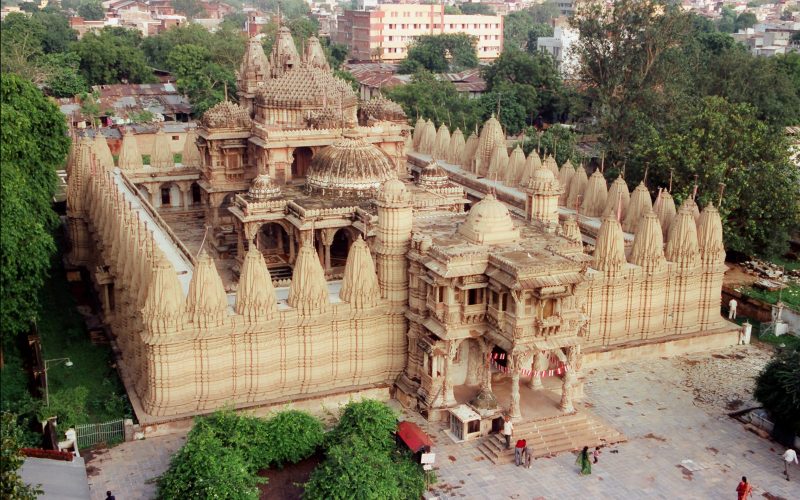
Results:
[584, 461]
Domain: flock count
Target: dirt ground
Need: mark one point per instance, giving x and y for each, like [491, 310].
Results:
[736, 276]
[287, 483]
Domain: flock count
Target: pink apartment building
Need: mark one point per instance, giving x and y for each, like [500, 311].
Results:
[384, 33]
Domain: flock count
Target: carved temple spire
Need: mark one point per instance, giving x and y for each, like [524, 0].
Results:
[665, 210]
[442, 142]
[129, 156]
[595, 195]
[162, 152]
[163, 307]
[308, 292]
[709, 235]
[498, 163]
[609, 252]
[207, 302]
[618, 198]
[577, 186]
[648, 244]
[564, 177]
[455, 151]
[532, 164]
[191, 155]
[516, 167]
[551, 165]
[255, 297]
[102, 152]
[470, 148]
[360, 282]
[313, 55]
[640, 204]
[682, 244]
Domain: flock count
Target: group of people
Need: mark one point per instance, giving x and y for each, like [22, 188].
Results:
[523, 454]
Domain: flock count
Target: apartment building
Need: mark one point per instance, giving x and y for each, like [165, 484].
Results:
[383, 34]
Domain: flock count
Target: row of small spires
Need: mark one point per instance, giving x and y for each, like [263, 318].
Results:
[131, 159]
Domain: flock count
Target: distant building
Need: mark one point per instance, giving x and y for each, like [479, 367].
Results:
[384, 33]
[374, 78]
[770, 38]
[560, 46]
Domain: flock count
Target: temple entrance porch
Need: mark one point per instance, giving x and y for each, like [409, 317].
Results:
[535, 404]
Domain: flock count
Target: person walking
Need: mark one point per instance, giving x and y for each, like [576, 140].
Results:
[744, 489]
[585, 463]
[528, 454]
[508, 428]
[109, 496]
[596, 454]
[732, 309]
[789, 456]
[519, 449]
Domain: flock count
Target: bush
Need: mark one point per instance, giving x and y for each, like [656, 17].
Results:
[206, 468]
[291, 436]
[11, 484]
[372, 420]
[778, 389]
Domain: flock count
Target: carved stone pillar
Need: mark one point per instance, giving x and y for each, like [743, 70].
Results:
[186, 194]
[449, 396]
[292, 238]
[540, 362]
[516, 414]
[570, 379]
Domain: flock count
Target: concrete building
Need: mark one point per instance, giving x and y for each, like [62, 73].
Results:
[383, 34]
[560, 47]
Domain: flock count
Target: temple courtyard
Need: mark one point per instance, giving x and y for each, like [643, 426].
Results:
[681, 443]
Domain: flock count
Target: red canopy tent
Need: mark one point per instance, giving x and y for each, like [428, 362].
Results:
[414, 437]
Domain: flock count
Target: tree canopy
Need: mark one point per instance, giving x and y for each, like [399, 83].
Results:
[34, 145]
[476, 8]
[778, 389]
[521, 28]
[113, 55]
[441, 53]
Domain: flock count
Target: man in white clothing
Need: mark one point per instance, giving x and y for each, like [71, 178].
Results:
[507, 430]
[732, 309]
[789, 456]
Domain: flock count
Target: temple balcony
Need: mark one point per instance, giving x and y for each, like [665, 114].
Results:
[472, 314]
[547, 327]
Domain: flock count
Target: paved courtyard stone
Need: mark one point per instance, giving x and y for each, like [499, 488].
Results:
[681, 443]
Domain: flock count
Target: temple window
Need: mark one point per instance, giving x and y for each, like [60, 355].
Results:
[529, 304]
[165, 196]
[475, 296]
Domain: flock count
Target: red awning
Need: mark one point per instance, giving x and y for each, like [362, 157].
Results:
[413, 437]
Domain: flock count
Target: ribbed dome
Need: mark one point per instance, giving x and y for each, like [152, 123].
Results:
[350, 164]
[263, 188]
[226, 115]
[306, 86]
[489, 222]
[432, 176]
[382, 108]
[393, 191]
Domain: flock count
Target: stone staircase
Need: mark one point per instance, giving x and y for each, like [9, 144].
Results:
[552, 436]
[280, 273]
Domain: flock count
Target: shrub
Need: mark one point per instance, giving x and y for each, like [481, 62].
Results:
[291, 436]
[778, 389]
[206, 468]
[239, 433]
[371, 420]
[11, 484]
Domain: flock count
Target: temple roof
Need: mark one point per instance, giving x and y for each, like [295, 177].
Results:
[489, 222]
[383, 109]
[226, 114]
[350, 165]
[313, 55]
[262, 188]
[306, 86]
[284, 54]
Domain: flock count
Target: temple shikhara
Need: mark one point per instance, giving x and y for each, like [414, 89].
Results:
[310, 244]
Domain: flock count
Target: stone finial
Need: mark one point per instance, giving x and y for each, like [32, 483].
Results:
[254, 68]
[491, 136]
[393, 192]
[618, 198]
[665, 210]
[163, 307]
[498, 162]
[682, 244]
[551, 165]
[595, 196]
[207, 302]
[427, 142]
[129, 156]
[640, 204]
[532, 164]
[162, 152]
[284, 56]
[564, 177]
[455, 153]
[709, 235]
[648, 245]
[442, 142]
[191, 154]
[577, 186]
[308, 292]
[314, 55]
[102, 152]
[692, 204]
[609, 252]
[515, 168]
[470, 148]
[255, 296]
[360, 283]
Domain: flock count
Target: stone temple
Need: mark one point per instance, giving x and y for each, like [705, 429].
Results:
[308, 244]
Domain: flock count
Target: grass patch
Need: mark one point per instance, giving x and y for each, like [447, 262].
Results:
[90, 390]
[789, 296]
[787, 264]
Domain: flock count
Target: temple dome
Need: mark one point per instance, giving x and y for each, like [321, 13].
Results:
[350, 164]
[432, 176]
[263, 188]
[393, 191]
[306, 86]
[489, 222]
[226, 115]
[381, 108]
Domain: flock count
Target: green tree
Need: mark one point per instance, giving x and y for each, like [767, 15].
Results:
[441, 53]
[523, 26]
[721, 142]
[556, 139]
[291, 436]
[536, 32]
[778, 389]
[11, 484]
[475, 8]
[64, 78]
[744, 20]
[427, 96]
[34, 145]
[205, 468]
[371, 420]
[112, 55]
[91, 9]
[198, 77]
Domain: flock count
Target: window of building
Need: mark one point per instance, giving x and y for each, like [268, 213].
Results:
[176, 137]
[475, 296]
[473, 426]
